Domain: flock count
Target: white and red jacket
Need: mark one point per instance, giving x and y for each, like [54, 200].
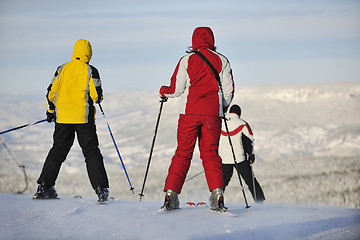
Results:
[195, 82]
[239, 131]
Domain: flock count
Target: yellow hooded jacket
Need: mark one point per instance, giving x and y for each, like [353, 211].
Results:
[75, 87]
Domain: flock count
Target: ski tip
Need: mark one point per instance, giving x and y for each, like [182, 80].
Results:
[201, 204]
[191, 204]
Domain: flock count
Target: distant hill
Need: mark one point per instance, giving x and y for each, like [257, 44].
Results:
[307, 143]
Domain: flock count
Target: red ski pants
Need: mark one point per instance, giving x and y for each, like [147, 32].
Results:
[207, 130]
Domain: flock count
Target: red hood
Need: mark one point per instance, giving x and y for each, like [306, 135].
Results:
[203, 37]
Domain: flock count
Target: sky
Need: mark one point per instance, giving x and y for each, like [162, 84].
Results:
[137, 44]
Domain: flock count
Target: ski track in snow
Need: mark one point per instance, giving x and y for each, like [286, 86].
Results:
[71, 218]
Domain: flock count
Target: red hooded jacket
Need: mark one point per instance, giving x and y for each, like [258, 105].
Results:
[195, 82]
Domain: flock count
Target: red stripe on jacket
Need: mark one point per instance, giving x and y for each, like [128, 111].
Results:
[236, 131]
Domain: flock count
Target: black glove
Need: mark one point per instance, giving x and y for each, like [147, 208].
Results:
[50, 117]
[99, 99]
[251, 158]
[225, 110]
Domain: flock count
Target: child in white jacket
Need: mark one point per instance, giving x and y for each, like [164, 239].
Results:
[242, 141]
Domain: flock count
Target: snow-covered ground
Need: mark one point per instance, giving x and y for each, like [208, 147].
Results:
[307, 144]
[71, 218]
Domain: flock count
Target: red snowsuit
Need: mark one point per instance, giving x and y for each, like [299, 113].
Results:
[201, 106]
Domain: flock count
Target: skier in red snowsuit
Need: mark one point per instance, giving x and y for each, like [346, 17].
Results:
[202, 104]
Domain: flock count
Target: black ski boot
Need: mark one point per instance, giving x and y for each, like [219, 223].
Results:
[45, 192]
[171, 201]
[217, 200]
[103, 193]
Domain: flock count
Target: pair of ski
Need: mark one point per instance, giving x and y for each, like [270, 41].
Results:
[195, 205]
[201, 205]
[192, 204]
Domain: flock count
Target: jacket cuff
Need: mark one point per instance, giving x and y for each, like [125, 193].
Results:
[162, 90]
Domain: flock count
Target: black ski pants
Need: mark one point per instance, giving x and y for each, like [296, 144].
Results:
[245, 172]
[64, 136]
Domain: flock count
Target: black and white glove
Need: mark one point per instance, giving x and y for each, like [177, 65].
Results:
[163, 99]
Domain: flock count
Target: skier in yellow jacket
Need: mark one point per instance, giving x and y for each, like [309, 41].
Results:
[71, 95]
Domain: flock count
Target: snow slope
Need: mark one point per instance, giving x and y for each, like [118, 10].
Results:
[71, 218]
[307, 144]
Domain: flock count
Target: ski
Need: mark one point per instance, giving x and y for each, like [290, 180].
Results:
[203, 204]
[200, 204]
[45, 199]
[109, 199]
[98, 201]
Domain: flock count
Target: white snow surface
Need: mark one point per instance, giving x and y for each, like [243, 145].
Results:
[307, 145]
[71, 218]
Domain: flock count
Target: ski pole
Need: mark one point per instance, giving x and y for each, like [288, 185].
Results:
[19, 165]
[194, 176]
[253, 180]
[236, 166]
[163, 99]
[117, 150]
[22, 126]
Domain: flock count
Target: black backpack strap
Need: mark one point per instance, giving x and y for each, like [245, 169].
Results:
[211, 67]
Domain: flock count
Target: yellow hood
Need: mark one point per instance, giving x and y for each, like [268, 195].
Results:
[82, 51]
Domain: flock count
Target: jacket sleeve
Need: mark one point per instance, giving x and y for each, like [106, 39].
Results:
[247, 139]
[52, 90]
[227, 82]
[95, 85]
[178, 80]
